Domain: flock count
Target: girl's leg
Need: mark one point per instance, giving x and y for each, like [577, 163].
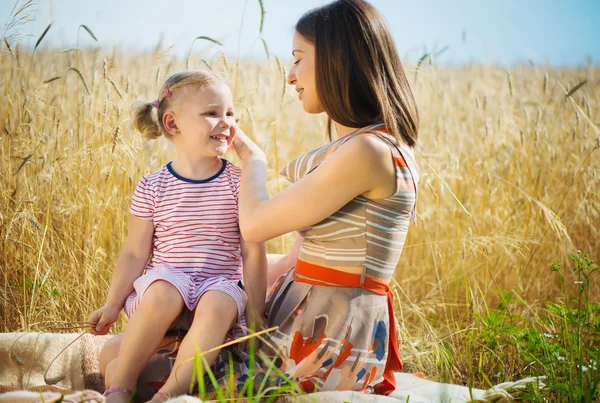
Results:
[214, 316]
[109, 352]
[160, 305]
[109, 371]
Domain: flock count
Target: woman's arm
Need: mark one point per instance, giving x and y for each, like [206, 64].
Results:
[254, 259]
[361, 166]
[130, 265]
[281, 264]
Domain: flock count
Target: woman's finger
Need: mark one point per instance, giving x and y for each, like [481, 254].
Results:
[233, 130]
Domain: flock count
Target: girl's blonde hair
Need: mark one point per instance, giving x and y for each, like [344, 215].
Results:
[147, 116]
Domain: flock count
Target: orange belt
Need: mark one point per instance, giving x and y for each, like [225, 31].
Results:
[324, 276]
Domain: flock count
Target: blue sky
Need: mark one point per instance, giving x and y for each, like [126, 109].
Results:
[503, 31]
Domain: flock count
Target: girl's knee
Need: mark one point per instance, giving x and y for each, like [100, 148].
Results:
[109, 351]
[216, 306]
[164, 296]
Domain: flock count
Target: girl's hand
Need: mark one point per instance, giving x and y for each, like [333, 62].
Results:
[255, 319]
[245, 148]
[103, 318]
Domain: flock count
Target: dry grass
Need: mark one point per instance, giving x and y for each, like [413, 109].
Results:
[509, 184]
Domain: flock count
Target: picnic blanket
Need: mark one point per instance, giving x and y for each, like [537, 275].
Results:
[29, 361]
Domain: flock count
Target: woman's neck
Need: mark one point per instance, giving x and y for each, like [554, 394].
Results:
[196, 168]
[341, 130]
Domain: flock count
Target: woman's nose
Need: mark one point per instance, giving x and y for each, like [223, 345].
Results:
[291, 78]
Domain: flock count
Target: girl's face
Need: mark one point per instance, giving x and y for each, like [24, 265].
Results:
[302, 74]
[204, 120]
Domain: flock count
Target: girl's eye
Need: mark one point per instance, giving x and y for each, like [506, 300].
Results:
[229, 113]
[210, 113]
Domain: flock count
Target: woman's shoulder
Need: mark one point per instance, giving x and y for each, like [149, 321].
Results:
[368, 146]
[360, 147]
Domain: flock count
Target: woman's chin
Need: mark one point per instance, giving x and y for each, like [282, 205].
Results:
[312, 109]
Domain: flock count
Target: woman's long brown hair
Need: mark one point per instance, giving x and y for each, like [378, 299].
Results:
[359, 76]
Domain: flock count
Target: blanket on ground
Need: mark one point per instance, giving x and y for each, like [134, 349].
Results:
[29, 361]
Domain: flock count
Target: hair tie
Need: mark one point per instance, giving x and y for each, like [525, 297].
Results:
[155, 103]
[168, 92]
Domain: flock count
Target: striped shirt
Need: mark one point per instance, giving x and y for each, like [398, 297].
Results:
[196, 226]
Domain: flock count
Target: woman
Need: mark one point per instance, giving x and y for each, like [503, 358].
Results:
[351, 201]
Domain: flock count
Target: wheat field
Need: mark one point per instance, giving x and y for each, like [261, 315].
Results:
[509, 159]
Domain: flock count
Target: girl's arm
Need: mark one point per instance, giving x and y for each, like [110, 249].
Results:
[254, 259]
[361, 166]
[130, 265]
[281, 264]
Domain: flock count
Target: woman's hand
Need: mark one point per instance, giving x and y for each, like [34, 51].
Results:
[245, 148]
[103, 318]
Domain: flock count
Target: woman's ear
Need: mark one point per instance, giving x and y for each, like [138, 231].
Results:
[170, 124]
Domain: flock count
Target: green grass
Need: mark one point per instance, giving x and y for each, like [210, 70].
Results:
[254, 389]
[562, 342]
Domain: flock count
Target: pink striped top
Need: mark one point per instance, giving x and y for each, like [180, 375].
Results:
[196, 227]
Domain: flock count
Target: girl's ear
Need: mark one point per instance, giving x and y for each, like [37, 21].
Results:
[170, 124]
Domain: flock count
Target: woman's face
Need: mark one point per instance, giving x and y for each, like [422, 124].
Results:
[302, 74]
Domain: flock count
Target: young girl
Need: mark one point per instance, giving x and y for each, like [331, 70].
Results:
[182, 260]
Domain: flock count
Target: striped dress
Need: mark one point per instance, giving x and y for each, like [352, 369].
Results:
[330, 338]
[196, 241]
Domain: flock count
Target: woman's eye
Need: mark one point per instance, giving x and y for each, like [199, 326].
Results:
[296, 61]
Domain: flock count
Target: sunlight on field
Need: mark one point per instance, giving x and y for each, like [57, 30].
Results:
[509, 185]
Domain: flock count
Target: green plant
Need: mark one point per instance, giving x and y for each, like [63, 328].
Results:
[562, 342]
